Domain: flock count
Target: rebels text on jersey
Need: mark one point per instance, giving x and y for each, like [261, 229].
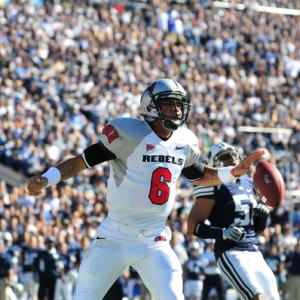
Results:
[142, 183]
[234, 203]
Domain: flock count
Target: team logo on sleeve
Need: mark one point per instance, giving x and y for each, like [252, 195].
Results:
[160, 239]
[149, 147]
[111, 132]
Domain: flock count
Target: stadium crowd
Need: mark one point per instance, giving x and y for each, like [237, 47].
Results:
[67, 67]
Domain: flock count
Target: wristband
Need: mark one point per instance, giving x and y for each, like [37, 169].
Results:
[226, 175]
[233, 174]
[53, 176]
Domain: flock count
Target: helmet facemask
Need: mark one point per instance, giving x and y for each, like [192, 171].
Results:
[178, 101]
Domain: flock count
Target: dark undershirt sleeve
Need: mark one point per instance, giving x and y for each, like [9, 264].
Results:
[96, 154]
[260, 224]
[194, 172]
[205, 231]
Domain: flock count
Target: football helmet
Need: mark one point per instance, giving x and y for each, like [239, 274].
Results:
[195, 249]
[165, 90]
[216, 151]
[7, 238]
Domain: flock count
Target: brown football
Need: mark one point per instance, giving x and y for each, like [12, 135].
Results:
[269, 184]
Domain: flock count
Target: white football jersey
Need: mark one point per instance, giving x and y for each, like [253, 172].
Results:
[142, 183]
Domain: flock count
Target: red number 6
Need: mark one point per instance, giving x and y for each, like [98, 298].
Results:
[160, 191]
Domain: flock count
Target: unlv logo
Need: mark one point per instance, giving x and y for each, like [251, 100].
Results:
[149, 147]
[111, 133]
[160, 239]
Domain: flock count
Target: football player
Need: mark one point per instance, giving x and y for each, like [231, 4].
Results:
[147, 157]
[234, 218]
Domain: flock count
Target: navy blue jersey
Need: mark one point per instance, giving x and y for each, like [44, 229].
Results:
[47, 264]
[193, 268]
[233, 203]
[5, 264]
[29, 256]
[273, 261]
[293, 263]
[67, 262]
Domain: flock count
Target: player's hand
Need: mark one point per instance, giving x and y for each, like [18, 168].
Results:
[261, 210]
[35, 184]
[246, 164]
[234, 233]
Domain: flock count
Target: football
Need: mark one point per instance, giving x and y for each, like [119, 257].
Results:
[268, 184]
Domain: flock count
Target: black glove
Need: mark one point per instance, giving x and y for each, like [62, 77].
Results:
[234, 233]
[261, 210]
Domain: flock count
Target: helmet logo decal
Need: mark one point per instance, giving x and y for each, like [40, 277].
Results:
[151, 87]
[209, 155]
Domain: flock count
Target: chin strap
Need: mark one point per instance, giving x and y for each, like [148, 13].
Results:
[171, 125]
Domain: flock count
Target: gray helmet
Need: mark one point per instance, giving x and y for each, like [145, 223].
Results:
[216, 151]
[195, 249]
[164, 90]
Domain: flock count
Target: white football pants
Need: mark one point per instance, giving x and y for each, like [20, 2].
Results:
[248, 273]
[118, 246]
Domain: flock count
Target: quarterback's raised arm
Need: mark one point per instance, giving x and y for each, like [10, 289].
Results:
[63, 171]
[66, 169]
[213, 176]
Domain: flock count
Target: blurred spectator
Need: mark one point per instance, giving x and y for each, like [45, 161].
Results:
[274, 259]
[133, 284]
[178, 247]
[6, 271]
[213, 278]
[293, 264]
[297, 229]
[282, 280]
[116, 291]
[49, 268]
[28, 256]
[289, 241]
[64, 287]
[193, 272]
